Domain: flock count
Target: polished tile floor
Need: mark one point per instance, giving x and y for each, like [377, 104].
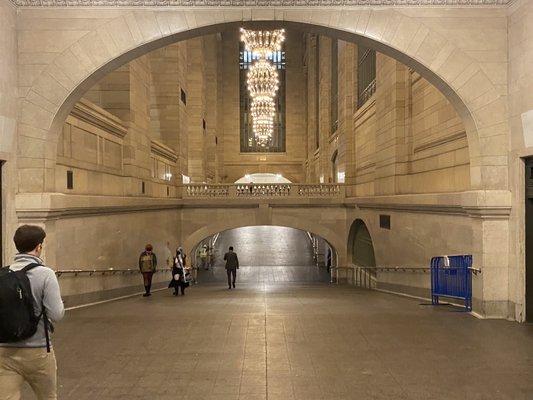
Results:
[290, 341]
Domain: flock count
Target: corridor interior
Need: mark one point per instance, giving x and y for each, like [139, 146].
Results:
[267, 254]
[339, 158]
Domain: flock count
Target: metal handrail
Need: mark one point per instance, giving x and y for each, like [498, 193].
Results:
[111, 271]
[362, 276]
[368, 279]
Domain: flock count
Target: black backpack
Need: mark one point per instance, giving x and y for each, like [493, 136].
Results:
[17, 315]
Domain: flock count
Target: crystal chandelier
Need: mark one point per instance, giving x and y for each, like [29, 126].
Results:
[262, 43]
[262, 80]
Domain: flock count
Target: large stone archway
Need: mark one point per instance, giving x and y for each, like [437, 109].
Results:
[98, 41]
[197, 224]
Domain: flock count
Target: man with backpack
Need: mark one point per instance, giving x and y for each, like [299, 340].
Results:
[29, 301]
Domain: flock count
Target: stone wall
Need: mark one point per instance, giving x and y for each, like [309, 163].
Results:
[196, 109]
[412, 240]
[520, 83]
[437, 148]
[407, 138]
[117, 240]
[8, 126]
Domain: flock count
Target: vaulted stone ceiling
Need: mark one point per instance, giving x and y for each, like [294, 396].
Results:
[255, 3]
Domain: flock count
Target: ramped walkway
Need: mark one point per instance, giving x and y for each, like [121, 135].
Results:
[289, 342]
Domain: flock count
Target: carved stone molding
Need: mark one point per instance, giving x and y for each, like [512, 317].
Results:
[255, 3]
[163, 151]
[94, 115]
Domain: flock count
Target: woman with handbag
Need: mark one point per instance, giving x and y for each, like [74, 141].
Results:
[179, 280]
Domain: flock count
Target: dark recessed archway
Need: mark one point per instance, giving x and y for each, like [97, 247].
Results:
[360, 245]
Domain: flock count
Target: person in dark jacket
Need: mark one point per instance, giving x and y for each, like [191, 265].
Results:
[179, 281]
[232, 265]
[147, 266]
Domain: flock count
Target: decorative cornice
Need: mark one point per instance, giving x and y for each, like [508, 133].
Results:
[163, 151]
[256, 3]
[482, 212]
[94, 115]
[62, 213]
[441, 141]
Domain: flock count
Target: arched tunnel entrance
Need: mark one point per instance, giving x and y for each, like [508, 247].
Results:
[360, 245]
[267, 254]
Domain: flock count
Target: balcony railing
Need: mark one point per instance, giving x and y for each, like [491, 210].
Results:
[263, 191]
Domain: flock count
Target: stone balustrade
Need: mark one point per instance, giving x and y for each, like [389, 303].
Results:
[265, 191]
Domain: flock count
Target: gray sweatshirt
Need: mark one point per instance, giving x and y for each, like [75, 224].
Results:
[45, 290]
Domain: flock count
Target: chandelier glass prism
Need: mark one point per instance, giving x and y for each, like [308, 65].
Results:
[262, 80]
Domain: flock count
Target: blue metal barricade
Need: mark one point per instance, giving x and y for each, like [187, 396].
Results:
[451, 276]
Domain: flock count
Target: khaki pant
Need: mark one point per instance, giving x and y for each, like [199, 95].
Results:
[33, 365]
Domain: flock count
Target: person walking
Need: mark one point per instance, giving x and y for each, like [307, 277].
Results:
[180, 276]
[26, 353]
[211, 256]
[232, 265]
[147, 266]
[203, 257]
[328, 260]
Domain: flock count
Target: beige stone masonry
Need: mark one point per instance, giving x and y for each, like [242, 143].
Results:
[412, 37]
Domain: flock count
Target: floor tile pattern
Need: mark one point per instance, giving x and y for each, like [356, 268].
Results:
[289, 342]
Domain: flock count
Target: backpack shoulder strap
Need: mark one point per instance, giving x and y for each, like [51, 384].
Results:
[30, 267]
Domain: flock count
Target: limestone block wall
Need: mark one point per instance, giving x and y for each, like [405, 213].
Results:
[312, 84]
[437, 143]
[8, 126]
[183, 115]
[520, 84]
[112, 93]
[413, 239]
[295, 101]
[165, 95]
[196, 110]
[213, 106]
[364, 148]
[325, 126]
[91, 146]
[116, 240]
[390, 125]
[146, 126]
[407, 138]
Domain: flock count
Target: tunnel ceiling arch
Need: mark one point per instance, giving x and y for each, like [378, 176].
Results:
[134, 33]
[203, 239]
